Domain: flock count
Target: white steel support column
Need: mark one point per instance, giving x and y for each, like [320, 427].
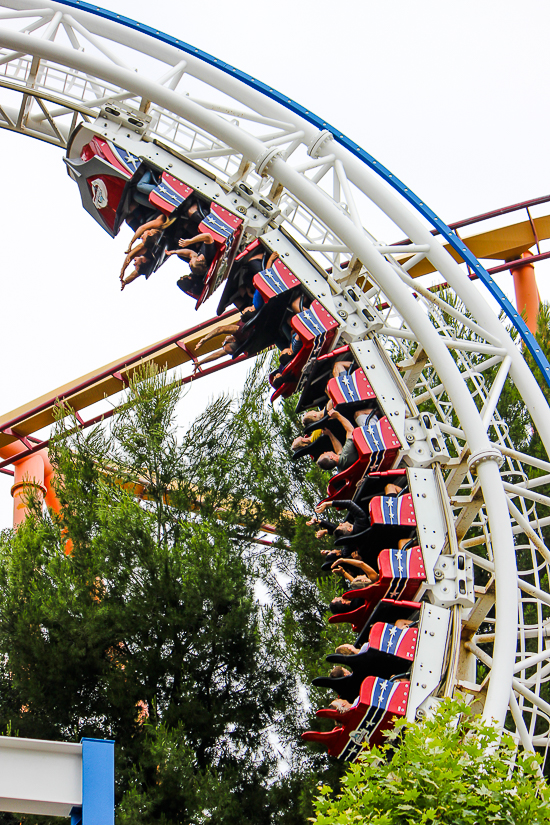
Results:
[495, 498]
[381, 194]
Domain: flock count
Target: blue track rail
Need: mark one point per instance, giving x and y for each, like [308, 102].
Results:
[508, 308]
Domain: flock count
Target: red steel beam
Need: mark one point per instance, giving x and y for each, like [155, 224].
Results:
[485, 216]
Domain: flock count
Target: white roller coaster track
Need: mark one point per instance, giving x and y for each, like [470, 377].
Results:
[59, 64]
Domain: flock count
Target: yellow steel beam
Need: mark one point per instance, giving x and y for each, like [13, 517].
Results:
[108, 380]
[504, 244]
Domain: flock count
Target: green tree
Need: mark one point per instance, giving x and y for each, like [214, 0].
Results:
[450, 770]
[149, 631]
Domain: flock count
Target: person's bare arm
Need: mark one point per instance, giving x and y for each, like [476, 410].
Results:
[340, 367]
[272, 258]
[129, 278]
[204, 237]
[228, 329]
[347, 650]
[219, 353]
[347, 425]
[366, 568]
[337, 567]
[181, 253]
[341, 705]
[299, 442]
[336, 446]
[137, 250]
[127, 261]
[154, 224]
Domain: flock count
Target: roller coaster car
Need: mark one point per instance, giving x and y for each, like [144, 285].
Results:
[226, 229]
[384, 638]
[278, 287]
[316, 376]
[173, 197]
[372, 662]
[390, 611]
[351, 392]
[401, 574]
[393, 513]
[102, 173]
[108, 178]
[377, 447]
[316, 329]
[381, 702]
[373, 484]
[391, 519]
[241, 274]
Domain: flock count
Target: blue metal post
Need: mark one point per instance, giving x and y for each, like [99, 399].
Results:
[76, 815]
[98, 782]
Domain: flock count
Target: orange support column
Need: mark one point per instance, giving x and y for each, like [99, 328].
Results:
[527, 293]
[33, 471]
[29, 472]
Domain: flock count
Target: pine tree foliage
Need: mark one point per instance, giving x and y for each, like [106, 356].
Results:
[149, 630]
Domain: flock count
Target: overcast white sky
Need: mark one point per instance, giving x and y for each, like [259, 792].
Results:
[451, 96]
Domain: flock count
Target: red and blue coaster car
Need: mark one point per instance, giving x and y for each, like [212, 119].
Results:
[401, 572]
[238, 276]
[317, 376]
[388, 638]
[226, 230]
[275, 281]
[381, 702]
[123, 161]
[101, 173]
[169, 194]
[317, 329]
[350, 389]
[377, 447]
[277, 286]
[224, 227]
[393, 511]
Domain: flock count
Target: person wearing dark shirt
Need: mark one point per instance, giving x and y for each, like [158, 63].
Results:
[325, 528]
[246, 293]
[360, 518]
[343, 604]
[358, 525]
[357, 580]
